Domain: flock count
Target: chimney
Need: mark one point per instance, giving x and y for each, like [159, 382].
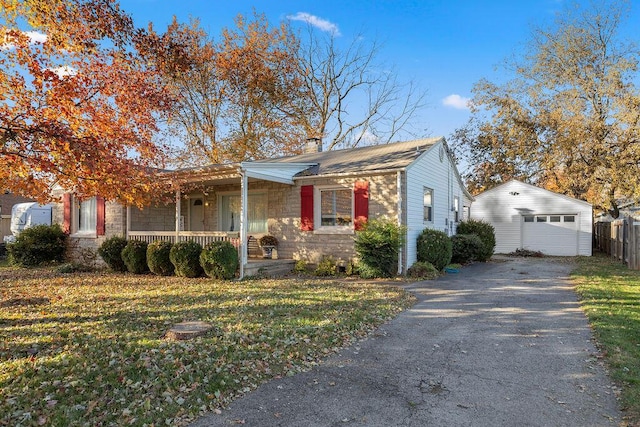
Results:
[314, 145]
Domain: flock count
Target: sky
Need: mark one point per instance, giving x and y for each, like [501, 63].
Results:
[444, 45]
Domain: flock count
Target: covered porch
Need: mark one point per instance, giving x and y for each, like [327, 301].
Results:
[238, 203]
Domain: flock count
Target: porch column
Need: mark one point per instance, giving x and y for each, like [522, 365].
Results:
[178, 197]
[243, 222]
[128, 222]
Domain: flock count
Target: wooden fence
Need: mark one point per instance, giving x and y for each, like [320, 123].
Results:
[620, 239]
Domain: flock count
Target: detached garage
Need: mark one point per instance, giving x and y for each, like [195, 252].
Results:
[528, 217]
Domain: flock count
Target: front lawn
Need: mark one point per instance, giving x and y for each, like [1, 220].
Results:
[88, 349]
[610, 295]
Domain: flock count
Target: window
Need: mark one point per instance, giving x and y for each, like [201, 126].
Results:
[554, 218]
[87, 215]
[428, 204]
[456, 209]
[569, 218]
[229, 217]
[528, 218]
[335, 207]
[541, 219]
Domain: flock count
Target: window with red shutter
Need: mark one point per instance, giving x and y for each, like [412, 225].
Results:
[100, 219]
[360, 204]
[306, 208]
[66, 208]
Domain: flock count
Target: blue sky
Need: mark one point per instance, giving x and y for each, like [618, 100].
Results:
[445, 46]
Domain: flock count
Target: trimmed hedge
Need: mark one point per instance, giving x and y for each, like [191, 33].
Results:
[134, 256]
[185, 257]
[38, 245]
[435, 247]
[158, 258]
[377, 246]
[466, 248]
[485, 231]
[111, 253]
[219, 260]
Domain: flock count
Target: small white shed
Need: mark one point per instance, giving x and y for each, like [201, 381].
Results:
[528, 217]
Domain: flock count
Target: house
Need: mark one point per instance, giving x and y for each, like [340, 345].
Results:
[312, 203]
[528, 217]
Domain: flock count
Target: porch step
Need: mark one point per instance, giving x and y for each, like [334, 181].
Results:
[269, 267]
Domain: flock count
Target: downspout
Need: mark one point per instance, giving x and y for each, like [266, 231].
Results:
[243, 221]
[403, 247]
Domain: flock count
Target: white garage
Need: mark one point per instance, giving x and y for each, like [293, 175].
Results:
[528, 217]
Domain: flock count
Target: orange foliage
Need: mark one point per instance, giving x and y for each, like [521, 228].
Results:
[78, 106]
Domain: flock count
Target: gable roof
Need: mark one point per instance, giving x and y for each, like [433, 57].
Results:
[513, 182]
[393, 156]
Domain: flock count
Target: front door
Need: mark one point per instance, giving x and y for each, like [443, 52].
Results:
[196, 215]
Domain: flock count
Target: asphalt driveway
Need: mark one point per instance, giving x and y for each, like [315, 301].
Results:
[499, 344]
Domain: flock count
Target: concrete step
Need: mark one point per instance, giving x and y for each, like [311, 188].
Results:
[269, 267]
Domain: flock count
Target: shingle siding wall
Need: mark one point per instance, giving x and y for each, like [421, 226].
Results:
[429, 171]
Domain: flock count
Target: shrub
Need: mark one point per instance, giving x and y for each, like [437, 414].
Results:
[219, 260]
[158, 258]
[37, 245]
[466, 248]
[422, 270]
[367, 271]
[301, 266]
[74, 267]
[377, 246]
[185, 257]
[485, 231]
[326, 267]
[111, 253]
[3, 250]
[435, 247]
[134, 256]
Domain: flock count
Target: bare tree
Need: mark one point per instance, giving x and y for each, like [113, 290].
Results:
[350, 97]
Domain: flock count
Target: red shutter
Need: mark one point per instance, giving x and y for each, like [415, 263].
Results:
[306, 208]
[66, 207]
[100, 211]
[360, 204]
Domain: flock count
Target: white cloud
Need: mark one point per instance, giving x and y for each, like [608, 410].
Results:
[65, 71]
[34, 37]
[321, 24]
[456, 101]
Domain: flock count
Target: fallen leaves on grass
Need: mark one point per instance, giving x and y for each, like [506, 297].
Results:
[95, 353]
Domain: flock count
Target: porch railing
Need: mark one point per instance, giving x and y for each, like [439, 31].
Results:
[202, 237]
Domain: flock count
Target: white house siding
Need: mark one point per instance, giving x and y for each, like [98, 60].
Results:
[429, 171]
[506, 205]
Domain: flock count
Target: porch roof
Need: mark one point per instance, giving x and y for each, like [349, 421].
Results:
[232, 172]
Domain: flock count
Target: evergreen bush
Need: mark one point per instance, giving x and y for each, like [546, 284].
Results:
[219, 260]
[377, 246]
[466, 248]
[435, 247]
[134, 256]
[111, 253]
[158, 258]
[185, 257]
[485, 231]
[38, 245]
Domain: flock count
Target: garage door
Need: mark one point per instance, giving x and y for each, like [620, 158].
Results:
[551, 234]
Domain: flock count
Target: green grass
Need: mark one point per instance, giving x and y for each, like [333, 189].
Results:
[610, 295]
[88, 349]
